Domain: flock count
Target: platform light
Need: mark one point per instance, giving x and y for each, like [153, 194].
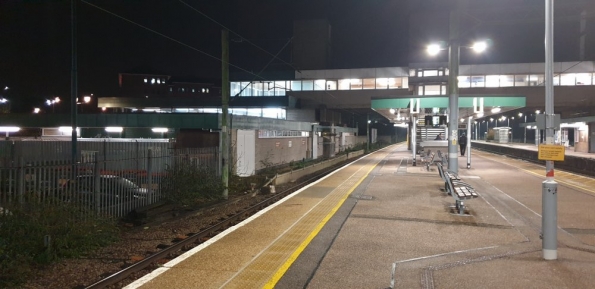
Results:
[538, 111]
[36, 110]
[479, 46]
[491, 119]
[392, 110]
[433, 49]
[160, 129]
[9, 128]
[479, 114]
[114, 129]
[496, 109]
[520, 114]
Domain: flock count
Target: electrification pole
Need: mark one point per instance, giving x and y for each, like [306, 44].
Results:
[73, 88]
[224, 111]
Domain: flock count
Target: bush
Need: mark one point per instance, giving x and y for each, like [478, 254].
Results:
[37, 234]
[187, 184]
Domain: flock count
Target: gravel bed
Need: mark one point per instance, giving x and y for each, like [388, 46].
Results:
[134, 244]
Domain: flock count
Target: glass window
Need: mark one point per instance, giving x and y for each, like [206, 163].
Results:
[432, 90]
[556, 80]
[246, 87]
[280, 87]
[234, 88]
[568, 79]
[404, 81]
[381, 83]
[319, 84]
[492, 80]
[307, 85]
[356, 84]
[521, 80]
[536, 80]
[583, 79]
[296, 85]
[478, 81]
[344, 84]
[430, 73]
[443, 89]
[412, 73]
[259, 88]
[506, 80]
[369, 83]
[331, 85]
[420, 90]
[396, 82]
[464, 81]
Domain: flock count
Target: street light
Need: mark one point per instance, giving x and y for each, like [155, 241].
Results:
[454, 48]
[52, 102]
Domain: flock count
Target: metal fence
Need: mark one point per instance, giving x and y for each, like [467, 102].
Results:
[108, 178]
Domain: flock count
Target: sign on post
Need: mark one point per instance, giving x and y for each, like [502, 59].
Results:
[551, 152]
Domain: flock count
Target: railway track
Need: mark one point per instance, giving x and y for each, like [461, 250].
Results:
[179, 246]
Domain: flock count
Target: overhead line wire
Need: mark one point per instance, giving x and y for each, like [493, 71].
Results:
[248, 41]
[172, 39]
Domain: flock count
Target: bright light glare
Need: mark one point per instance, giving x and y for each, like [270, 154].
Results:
[3, 100]
[36, 110]
[160, 129]
[433, 49]
[114, 129]
[479, 46]
[392, 110]
[496, 109]
[86, 99]
[479, 114]
[401, 124]
[9, 129]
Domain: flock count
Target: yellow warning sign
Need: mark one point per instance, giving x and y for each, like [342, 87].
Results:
[551, 152]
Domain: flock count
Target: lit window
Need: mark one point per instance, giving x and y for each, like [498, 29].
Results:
[381, 83]
[207, 90]
[356, 84]
[369, 83]
[432, 90]
[319, 84]
[146, 80]
[430, 73]
[193, 90]
[296, 85]
[163, 81]
[492, 80]
[583, 79]
[307, 85]
[567, 79]
[521, 80]
[464, 81]
[183, 89]
[344, 84]
[171, 89]
[158, 81]
[152, 80]
[536, 80]
[331, 85]
[506, 80]
[478, 81]
[203, 90]
[395, 83]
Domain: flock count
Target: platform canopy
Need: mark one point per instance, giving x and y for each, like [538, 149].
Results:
[400, 109]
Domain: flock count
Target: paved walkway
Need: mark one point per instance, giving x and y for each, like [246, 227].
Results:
[382, 223]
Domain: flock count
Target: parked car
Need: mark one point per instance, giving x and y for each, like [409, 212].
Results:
[112, 189]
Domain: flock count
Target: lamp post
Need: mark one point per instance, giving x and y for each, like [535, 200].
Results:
[52, 103]
[454, 51]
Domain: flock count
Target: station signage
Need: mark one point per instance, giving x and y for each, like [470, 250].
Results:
[551, 152]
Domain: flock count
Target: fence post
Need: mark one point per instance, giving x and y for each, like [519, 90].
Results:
[96, 183]
[149, 172]
[21, 179]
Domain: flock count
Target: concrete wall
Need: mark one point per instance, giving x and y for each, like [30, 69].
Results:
[276, 151]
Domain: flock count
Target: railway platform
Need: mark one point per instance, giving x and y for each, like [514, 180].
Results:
[380, 222]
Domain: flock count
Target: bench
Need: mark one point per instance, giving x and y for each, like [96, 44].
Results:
[428, 159]
[443, 158]
[458, 189]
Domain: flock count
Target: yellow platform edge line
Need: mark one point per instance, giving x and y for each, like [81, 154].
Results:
[560, 181]
[277, 276]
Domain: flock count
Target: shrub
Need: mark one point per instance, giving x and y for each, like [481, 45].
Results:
[188, 184]
[37, 234]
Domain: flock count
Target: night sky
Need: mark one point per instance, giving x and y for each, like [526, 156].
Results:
[36, 56]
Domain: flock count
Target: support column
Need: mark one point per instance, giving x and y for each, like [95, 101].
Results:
[549, 219]
[224, 111]
[453, 91]
[414, 139]
[469, 142]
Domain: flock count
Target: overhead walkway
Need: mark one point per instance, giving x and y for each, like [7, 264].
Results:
[382, 223]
